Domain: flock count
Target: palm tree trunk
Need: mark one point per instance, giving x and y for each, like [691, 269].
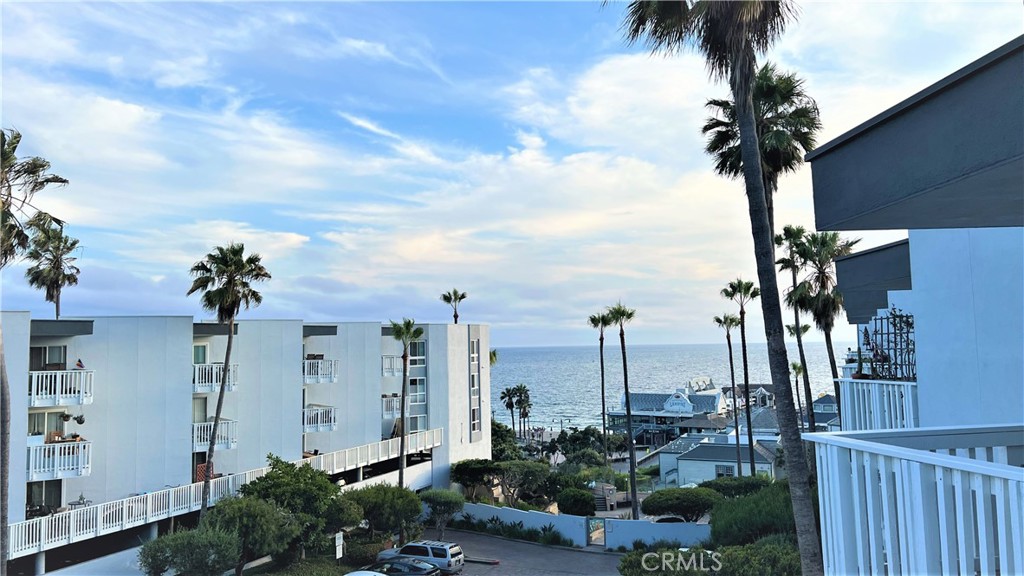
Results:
[629, 429]
[456, 316]
[405, 427]
[5, 455]
[746, 390]
[803, 360]
[604, 409]
[799, 406]
[735, 408]
[835, 374]
[216, 419]
[56, 305]
[512, 419]
[808, 536]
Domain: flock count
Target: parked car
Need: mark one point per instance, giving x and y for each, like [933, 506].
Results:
[365, 573]
[404, 565]
[447, 556]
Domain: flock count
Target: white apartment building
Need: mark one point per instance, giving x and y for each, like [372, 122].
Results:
[113, 430]
[926, 476]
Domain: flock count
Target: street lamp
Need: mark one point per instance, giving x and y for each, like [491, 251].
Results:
[561, 423]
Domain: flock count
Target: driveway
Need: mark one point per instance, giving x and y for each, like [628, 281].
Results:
[527, 559]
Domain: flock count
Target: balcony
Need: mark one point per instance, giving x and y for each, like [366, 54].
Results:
[64, 459]
[60, 388]
[206, 378]
[319, 371]
[319, 418]
[227, 435]
[391, 407]
[922, 501]
[391, 365]
[877, 404]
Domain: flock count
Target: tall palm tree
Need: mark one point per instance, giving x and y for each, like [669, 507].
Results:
[20, 180]
[508, 397]
[797, 370]
[792, 238]
[602, 321]
[741, 292]
[225, 278]
[53, 266]
[798, 334]
[620, 316]
[406, 333]
[729, 35]
[818, 293]
[453, 299]
[494, 356]
[787, 122]
[727, 322]
[522, 398]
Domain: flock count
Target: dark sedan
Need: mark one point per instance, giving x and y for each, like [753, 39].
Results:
[404, 565]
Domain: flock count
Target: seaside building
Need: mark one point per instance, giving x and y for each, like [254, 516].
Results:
[659, 418]
[111, 431]
[696, 458]
[926, 476]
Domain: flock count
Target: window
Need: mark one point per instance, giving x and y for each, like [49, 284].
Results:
[474, 351]
[45, 422]
[199, 353]
[48, 358]
[474, 420]
[439, 552]
[414, 550]
[417, 391]
[417, 423]
[418, 353]
[727, 471]
[474, 385]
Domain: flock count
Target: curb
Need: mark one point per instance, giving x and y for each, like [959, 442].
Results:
[570, 548]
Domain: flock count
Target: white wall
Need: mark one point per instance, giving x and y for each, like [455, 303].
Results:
[16, 326]
[969, 324]
[624, 532]
[697, 471]
[572, 527]
[417, 477]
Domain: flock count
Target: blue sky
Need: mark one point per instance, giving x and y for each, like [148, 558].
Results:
[379, 154]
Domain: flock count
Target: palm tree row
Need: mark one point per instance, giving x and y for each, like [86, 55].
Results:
[517, 398]
[742, 292]
[727, 322]
[619, 315]
[601, 321]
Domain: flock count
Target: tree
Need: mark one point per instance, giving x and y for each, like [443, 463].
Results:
[729, 35]
[387, 508]
[262, 528]
[204, 551]
[20, 180]
[818, 293]
[798, 370]
[516, 476]
[53, 266]
[494, 356]
[787, 122]
[600, 322]
[453, 299]
[741, 292]
[474, 473]
[503, 443]
[620, 316]
[444, 505]
[225, 277]
[690, 504]
[522, 399]
[792, 239]
[576, 502]
[508, 397]
[727, 322]
[406, 333]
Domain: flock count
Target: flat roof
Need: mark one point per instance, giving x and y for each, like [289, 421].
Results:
[61, 328]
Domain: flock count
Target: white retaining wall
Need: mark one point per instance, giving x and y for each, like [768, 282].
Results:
[572, 527]
[624, 532]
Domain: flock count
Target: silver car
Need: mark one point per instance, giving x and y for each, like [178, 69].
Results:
[447, 556]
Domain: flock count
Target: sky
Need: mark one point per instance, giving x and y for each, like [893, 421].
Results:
[379, 154]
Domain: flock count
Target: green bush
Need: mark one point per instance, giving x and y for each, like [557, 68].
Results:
[746, 519]
[155, 557]
[687, 503]
[362, 549]
[444, 505]
[199, 552]
[772, 558]
[652, 470]
[387, 508]
[576, 502]
[733, 487]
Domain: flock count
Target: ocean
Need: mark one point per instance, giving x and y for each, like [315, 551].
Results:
[565, 381]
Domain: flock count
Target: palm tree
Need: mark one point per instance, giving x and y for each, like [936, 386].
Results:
[494, 356]
[602, 321]
[406, 333]
[818, 294]
[508, 397]
[787, 121]
[620, 316]
[20, 180]
[225, 277]
[792, 238]
[741, 292]
[794, 333]
[522, 398]
[53, 267]
[797, 370]
[730, 35]
[727, 322]
[452, 299]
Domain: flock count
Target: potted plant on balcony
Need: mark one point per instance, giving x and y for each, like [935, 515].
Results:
[80, 418]
[65, 416]
[859, 373]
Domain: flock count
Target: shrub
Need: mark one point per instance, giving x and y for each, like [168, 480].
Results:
[199, 552]
[473, 474]
[745, 519]
[363, 549]
[387, 508]
[733, 487]
[576, 502]
[769, 556]
[653, 470]
[262, 528]
[155, 557]
[687, 503]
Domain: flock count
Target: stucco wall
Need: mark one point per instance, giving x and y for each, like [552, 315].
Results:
[697, 471]
[624, 532]
[16, 338]
[572, 527]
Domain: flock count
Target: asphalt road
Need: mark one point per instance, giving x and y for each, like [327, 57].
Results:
[527, 559]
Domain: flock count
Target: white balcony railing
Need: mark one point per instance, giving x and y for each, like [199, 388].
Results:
[922, 501]
[391, 408]
[59, 460]
[391, 365]
[227, 435]
[61, 529]
[318, 418]
[319, 371]
[206, 378]
[877, 404]
[60, 388]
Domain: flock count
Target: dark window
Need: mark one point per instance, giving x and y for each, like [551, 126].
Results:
[439, 552]
[415, 550]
